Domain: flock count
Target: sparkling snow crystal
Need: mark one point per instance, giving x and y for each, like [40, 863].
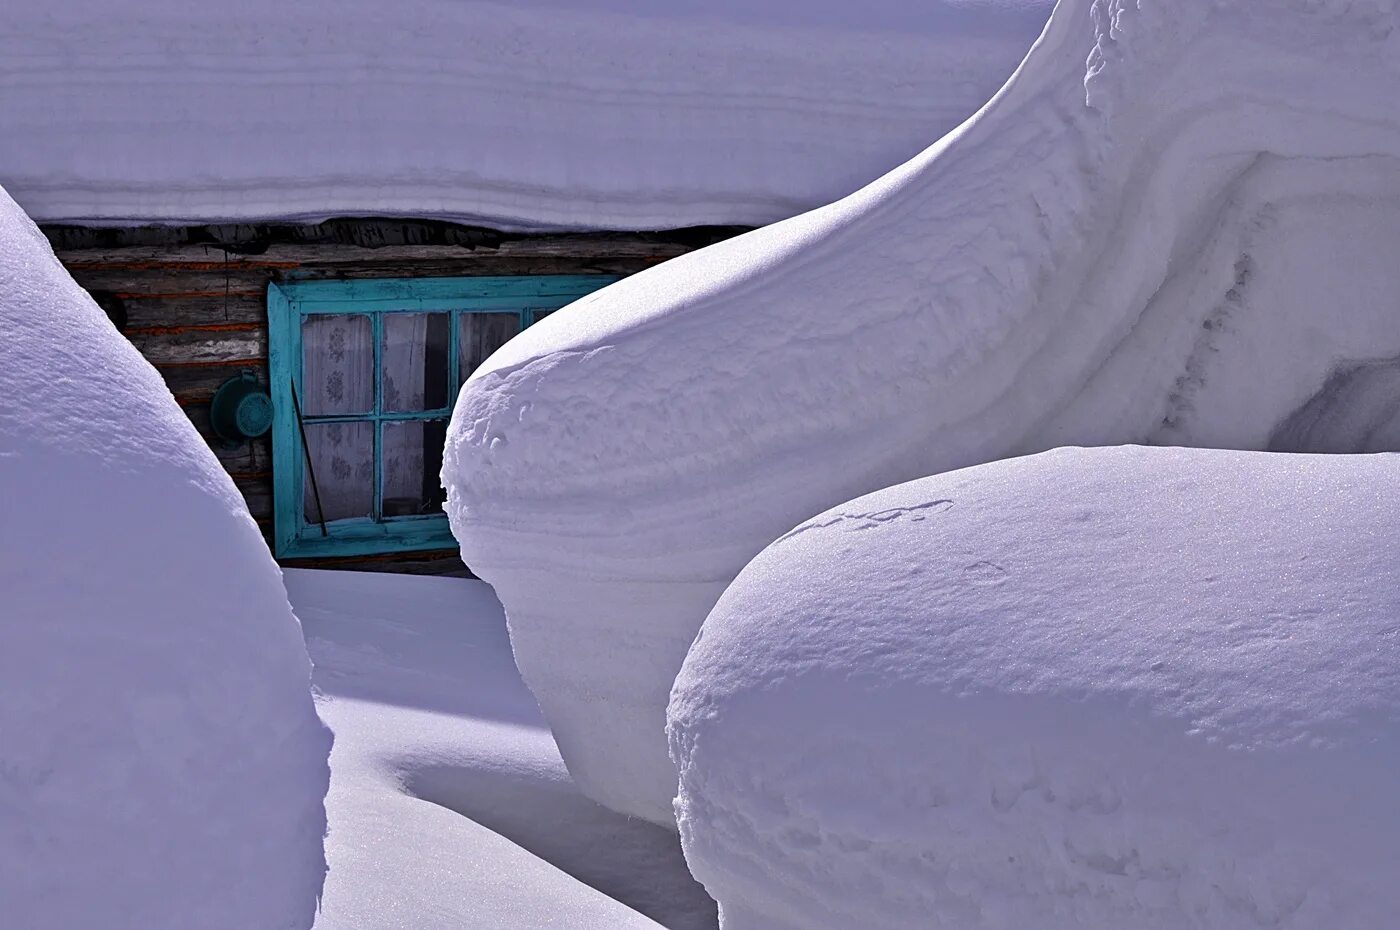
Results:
[161, 762]
[1085, 690]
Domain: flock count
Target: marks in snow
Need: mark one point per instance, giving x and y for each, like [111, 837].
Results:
[856, 522]
[1181, 399]
[985, 574]
[1357, 409]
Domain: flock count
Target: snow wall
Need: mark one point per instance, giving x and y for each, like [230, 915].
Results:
[1091, 689]
[1175, 225]
[163, 764]
[525, 114]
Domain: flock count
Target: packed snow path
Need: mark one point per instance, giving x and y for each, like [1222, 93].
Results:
[449, 807]
[1093, 689]
[584, 114]
[161, 761]
[1180, 243]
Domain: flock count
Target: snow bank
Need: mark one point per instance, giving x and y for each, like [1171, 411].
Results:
[598, 114]
[1178, 244]
[1085, 690]
[163, 764]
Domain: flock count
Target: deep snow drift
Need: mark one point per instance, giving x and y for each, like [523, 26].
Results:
[599, 114]
[1086, 690]
[1180, 243]
[161, 762]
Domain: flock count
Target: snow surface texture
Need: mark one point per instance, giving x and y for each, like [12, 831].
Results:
[449, 806]
[583, 114]
[1183, 243]
[1085, 690]
[161, 761]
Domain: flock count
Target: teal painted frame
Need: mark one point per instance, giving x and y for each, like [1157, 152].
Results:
[287, 304]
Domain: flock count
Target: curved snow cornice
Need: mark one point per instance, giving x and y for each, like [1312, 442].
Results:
[1173, 223]
[533, 114]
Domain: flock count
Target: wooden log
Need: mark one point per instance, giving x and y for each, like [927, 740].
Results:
[258, 493]
[283, 257]
[145, 311]
[251, 460]
[209, 290]
[434, 562]
[196, 384]
[172, 282]
[497, 265]
[230, 345]
[185, 259]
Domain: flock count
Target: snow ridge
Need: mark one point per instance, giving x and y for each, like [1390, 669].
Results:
[1049, 273]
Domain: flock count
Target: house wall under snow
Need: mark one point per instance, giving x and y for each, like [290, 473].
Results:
[195, 301]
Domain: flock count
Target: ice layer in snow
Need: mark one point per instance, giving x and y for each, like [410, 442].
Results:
[1175, 224]
[616, 114]
[1091, 689]
[161, 761]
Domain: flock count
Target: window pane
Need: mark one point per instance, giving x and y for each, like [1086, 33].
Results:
[480, 334]
[413, 360]
[412, 461]
[337, 358]
[342, 461]
[541, 314]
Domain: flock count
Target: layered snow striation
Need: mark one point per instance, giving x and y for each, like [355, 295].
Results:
[163, 764]
[532, 114]
[1173, 226]
[1084, 690]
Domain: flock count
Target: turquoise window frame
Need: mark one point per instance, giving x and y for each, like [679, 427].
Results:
[288, 303]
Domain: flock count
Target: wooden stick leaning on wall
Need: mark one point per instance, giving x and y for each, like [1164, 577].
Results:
[310, 468]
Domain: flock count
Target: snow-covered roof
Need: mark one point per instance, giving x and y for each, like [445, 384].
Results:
[534, 114]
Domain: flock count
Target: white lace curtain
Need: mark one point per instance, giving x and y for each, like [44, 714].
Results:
[338, 379]
[415, 378]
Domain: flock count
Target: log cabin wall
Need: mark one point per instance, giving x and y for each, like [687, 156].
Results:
[193, 300]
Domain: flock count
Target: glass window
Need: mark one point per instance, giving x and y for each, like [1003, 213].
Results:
[480, 334]
[339, 480]
[364, 375]
[412, 463]
[413, 361]
[337, 364]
